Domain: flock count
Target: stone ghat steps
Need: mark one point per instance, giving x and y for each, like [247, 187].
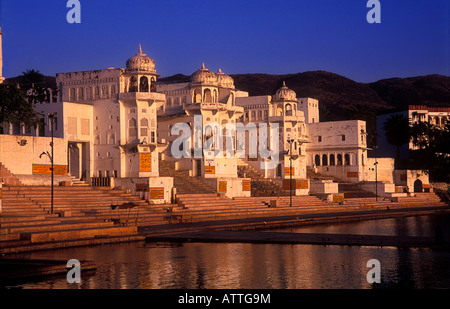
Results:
[26, 225]
[220, 214]
[216, 202]
[53, 226]
[181, 179]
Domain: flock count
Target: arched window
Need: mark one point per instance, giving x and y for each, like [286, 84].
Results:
[133, 84]
[110, 138]
[88, 93]
[324, 159]
[279, 110]
[112, 90]
[152, 84]
[197, 96]
[288, 110]
[144, 127]
[317, 160]
[215, 95]
[332, 161]
[104, 92]
[132, 130]
[253, 115]
[71, 94]
[207, 96]
[143, 84]
[80, 94]
[346, 159]
[339, 159]
[97, 139]
[96, 92]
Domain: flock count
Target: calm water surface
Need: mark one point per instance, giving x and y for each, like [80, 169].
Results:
[260, 266]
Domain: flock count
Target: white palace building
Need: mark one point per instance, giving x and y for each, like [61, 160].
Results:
[115, 127]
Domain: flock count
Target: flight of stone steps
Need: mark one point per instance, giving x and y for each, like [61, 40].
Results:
[81, 215]
[183, 183]
[260, 186]
[213, 207]
[6, 177]
[350, 190]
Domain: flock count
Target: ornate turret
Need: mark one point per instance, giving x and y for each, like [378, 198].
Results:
[203, 76]
[284, 93]
[141, 63]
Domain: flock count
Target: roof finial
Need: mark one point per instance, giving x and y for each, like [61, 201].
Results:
[220, 71]
[203, 65]
[140, 49]
[284, 84]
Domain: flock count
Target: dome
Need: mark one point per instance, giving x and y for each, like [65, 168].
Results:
[204, 76]
[224, 80]
[284, 93]
[140, 62]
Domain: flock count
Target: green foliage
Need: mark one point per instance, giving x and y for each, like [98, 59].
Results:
[397, 131]
[434, 152]
[15, 107]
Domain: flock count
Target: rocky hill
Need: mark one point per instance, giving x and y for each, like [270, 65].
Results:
[339, 97]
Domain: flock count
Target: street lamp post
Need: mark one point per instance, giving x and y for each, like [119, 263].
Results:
[376, 173]
[290, 141]
[51, 117]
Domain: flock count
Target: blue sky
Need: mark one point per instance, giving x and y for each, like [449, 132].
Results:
[238, 36]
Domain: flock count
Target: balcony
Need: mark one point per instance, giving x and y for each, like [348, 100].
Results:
[149, 96]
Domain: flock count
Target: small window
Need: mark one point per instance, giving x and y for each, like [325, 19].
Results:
[343, 137]
[319, 138]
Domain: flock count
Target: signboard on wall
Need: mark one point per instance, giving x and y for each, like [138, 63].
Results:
[156, 193]
[210, 169]
[288, 171]
[142, 187]
[145, 162]
[246, 185]
[287, 184]
[301, 184]
[222, 186]
[45, 169]
[352, 174]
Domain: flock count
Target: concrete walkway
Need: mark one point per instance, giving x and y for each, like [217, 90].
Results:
[300, 238]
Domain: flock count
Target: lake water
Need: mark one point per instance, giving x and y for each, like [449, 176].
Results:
[264, 266]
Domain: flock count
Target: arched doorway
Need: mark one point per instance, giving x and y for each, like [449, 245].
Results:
[418, 187]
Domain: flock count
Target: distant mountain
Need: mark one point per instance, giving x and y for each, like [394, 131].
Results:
[336, 94]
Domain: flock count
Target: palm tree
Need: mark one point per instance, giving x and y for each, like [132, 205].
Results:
[397, 131]
[31, 77]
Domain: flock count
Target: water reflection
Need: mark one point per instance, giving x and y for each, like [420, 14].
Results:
[260, 266]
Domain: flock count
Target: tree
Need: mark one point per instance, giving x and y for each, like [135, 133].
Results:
[397, 131]
[434, 149]
[14, 107]
[31, 77]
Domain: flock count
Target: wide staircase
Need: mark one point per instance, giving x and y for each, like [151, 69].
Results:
[215, 207]
[260, 186]
[183, 183]
[6, 177]
[350, 190]
[81, 215]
